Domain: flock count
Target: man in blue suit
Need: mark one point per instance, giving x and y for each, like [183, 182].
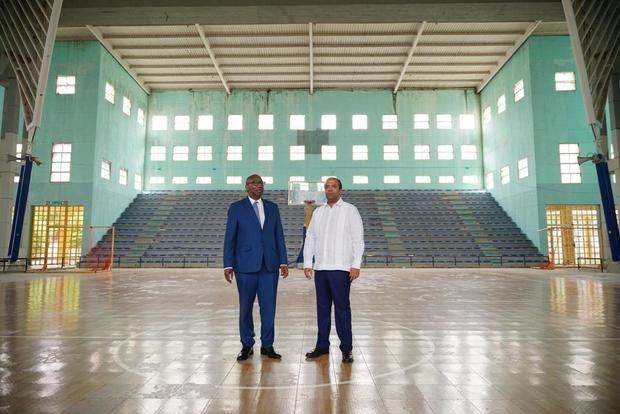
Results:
[254, 249]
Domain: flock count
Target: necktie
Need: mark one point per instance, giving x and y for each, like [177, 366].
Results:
[255, 204]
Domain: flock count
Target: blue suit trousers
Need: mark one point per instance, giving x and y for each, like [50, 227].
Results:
[263, 284]
[333, 286]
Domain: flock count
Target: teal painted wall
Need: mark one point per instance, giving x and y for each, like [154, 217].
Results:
[343, 104]
[95, 128]
[534, 128]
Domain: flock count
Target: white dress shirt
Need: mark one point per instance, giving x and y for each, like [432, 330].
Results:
[261, 210]
[335, 238]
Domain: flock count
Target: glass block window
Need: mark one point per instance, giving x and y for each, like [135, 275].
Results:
[360, 152]
[61, 163]
[109, 92]
[297, 152]
[360, 179]
[158, 153]
[234, 153]
[519, 90]
[137, 182]
[470, 179]
[422, 152]
[140, 116]
[486, 115]
[391, 179]
[422, 179]
[159, 122]
[421, 121]
[179, 180]
[523, 168]
[504, 175]
[445, 152]
[106, 169]
[297, 122]
[203, 180]
[489, 181]
[328, 152]
[565, 81]
[126, 106]
[390, 152]
[204, 153]
[467, 121]
[181, 123]
[123, 176]
[233, 179]
[180, 153]
[469, 152]
[446, 179]
[65, 85]
[389, 122]
[359, 121]
[570, 172]
[265, 122]
[205, 122]
[157, 180]
[265, 153]
[444, 121]
[328, 122]
[235, 122]
[501, 104]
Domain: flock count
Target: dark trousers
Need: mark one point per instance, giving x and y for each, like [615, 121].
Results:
[333, 286]
[249, 285]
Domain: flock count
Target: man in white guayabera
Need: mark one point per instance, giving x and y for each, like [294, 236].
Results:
[335, 239]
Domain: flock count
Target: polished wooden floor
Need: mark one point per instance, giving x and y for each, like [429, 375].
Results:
[425, 341]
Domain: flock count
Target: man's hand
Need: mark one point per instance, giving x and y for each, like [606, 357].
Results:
[354, 274]
[284, 271]
[308, 273]
[228, 275]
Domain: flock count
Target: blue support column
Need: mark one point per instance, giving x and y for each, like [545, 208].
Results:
[609, 209]
[21, 200]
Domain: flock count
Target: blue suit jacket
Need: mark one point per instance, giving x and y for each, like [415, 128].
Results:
[246, 245]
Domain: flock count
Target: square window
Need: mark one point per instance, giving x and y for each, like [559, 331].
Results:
[360, 179]
[180, 153]
[359, 121]
[328, 152]
[265, 122]
[519, 90]
[233, 179]
[181, 123]
[391, 179]
[18, 151]
[389, 121]
[501, 104]
[421, 121]
[157, 180]
[158, 153]
[159, 123]
[234, 153]
[390, 152]
[469, 152]
[126, 106]
[16, 179]
[140, 116]
[297, 178]
[297, 122]
[267, 180]
[360, 152]
[422, 179]
[65, 85]
[445, 152]
[422, 152]
[328, 122]
[265, 153]
[470, 179]
[204, 153]
[203, 180]
[467, 121]
[565, 81]
[109, 92]
[106, 169]
[570, 171]
[205, 122]
[235, 122]
[446, 179]
[297, 152]
[444, 121]
[123, 176]
[179, 180]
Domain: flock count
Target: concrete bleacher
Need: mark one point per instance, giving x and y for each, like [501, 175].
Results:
[401, 227]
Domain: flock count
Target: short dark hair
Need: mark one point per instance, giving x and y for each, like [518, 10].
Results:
[337, 179]
[251, 176]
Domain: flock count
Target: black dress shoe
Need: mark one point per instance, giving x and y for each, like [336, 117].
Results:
[316, 352]
[245, 353]
[347, 357]
[270, 352]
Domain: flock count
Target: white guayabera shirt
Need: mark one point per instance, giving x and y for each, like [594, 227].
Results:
[335, 238]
